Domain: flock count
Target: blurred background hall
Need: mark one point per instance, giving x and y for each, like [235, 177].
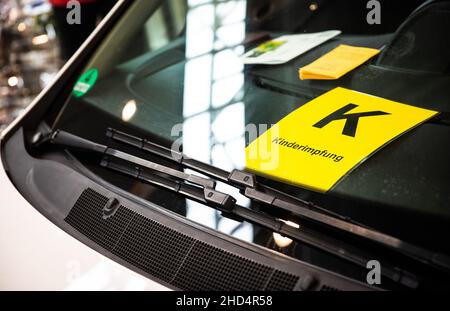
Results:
[35, 41]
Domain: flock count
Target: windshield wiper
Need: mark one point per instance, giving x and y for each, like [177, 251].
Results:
[240, 213]
[203, 190]
[258, 192]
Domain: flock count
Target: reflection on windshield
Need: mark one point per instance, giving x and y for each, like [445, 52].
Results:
[213, 79]
[129, 109]
[175, 73]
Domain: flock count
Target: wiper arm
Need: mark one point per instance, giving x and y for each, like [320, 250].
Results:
[237, 178]
[203, 190]
[221, 200]
[239, 213]
[253, 190]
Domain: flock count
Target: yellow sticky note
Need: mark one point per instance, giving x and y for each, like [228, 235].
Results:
[319, 143]
[337, 63]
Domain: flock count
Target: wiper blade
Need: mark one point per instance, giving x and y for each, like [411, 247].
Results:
[257, 192]
[203, 190]
[237, 178]
[211, 196]
[206, 195]
[239, 213]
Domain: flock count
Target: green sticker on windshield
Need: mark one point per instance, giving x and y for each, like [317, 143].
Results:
[85, 82]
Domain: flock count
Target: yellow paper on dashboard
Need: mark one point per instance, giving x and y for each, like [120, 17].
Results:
[337, 63]
[322, 141]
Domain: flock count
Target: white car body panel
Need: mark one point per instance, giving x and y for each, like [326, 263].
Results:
[37, 255]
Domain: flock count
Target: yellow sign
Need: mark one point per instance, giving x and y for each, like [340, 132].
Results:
[337, 63]
[320, 142]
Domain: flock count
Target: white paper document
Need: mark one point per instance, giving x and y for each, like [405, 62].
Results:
[287, 47]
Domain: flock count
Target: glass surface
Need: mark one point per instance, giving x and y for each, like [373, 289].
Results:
[172, 71]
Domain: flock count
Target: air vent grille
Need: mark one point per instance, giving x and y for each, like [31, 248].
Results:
[165, 253]
[236, 273]
[86, 217]
[326, 288]
[154, 248]
[281, 280]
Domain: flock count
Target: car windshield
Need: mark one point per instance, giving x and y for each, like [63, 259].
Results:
[177, 72]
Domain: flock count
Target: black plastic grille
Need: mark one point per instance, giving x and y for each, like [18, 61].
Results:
[326, 288]
[281, 280]
[236, 273]
[163, 252]
[154, 248]
[86, 217]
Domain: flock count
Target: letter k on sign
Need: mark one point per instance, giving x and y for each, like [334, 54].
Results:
[351, 119]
